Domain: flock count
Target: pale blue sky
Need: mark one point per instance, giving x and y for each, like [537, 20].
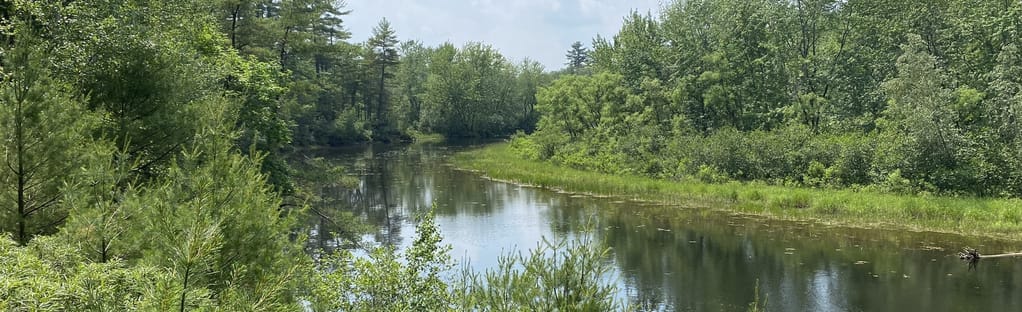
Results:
[541, 30]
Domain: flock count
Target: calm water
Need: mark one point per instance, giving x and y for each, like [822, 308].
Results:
[675, 258]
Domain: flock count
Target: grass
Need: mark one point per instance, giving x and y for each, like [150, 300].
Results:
[419, 137]
[988, 217]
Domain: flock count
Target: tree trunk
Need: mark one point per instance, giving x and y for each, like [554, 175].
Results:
[184, 288]
[283, 49]
[19, 129]
[234, 26]
[379, 102]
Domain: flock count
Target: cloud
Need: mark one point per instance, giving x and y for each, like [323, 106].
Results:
[541, 30]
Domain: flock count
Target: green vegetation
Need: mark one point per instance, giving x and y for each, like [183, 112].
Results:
[142, 143]
[860, 208]
[51, 275]
[555, 276]
[861, 112]
[890, 96]
[419, 137]
[756, 305]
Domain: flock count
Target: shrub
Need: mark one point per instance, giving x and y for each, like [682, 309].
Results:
[561, 276]
[709, 174]
[49, 275]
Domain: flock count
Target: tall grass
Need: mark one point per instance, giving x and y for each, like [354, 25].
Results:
[422, 138]
[992, 217]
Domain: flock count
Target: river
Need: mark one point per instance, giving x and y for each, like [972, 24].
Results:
[668, 258]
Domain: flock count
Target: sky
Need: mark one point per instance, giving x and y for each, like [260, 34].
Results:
[541, 30]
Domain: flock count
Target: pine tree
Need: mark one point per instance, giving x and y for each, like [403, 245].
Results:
[42, 131]
[383, 46]
[578, 58]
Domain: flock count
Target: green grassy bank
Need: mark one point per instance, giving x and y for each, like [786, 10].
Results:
[999, 218]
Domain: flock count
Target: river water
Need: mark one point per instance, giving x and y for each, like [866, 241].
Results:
[669, 258]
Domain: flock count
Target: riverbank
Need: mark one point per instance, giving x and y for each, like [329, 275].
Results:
[997, 218]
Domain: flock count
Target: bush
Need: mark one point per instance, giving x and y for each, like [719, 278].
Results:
[349, 127]
[561, 276]
[383, 282]
[895, 183]
[48, 275]
[709, 174]
[819, 175]
[525, 147]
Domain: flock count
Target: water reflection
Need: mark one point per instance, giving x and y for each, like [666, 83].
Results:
[678, 259]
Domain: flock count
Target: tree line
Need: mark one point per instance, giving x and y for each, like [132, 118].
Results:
[333, 91]
[900, 96]
[309, 84]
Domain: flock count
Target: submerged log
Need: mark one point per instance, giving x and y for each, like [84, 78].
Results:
[970, 256]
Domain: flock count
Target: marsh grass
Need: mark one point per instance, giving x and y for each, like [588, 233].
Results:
[423, 138]
[992, 217]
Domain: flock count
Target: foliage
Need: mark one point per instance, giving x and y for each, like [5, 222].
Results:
[563, 276]
[44, 133]
[475, 92]
[50, 275]
[578, 58]
[859, 206]
[144, 151]
[130, 149]
[383, 281]
[819, 93]
[554, 276]
[382, 47]
[330, 91]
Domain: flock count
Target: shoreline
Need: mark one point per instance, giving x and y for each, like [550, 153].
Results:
[995, 218]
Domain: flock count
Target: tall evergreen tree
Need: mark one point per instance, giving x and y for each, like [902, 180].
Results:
[43, 131]
[578, 58]
[383, 46]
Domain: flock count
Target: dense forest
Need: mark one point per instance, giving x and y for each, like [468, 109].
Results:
[145, 142]
[144, 158]
[915, 97]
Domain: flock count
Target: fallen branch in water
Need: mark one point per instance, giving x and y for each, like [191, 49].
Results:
[1014, 254]
[972, 256]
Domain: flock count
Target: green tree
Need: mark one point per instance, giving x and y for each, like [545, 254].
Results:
[1004, 108]
[385, 282]
[215, 224]
[819, 46]
[725, 62]
[102, 205]
[636, 52]
[45, 133]
[487, 109]
[442, 91]
[530, 78]
[576, 105]
[410, 79]
[919, 109]
[1006, 88]
[383, 46]
[140, 67]
[578, 58]
[262, 122]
